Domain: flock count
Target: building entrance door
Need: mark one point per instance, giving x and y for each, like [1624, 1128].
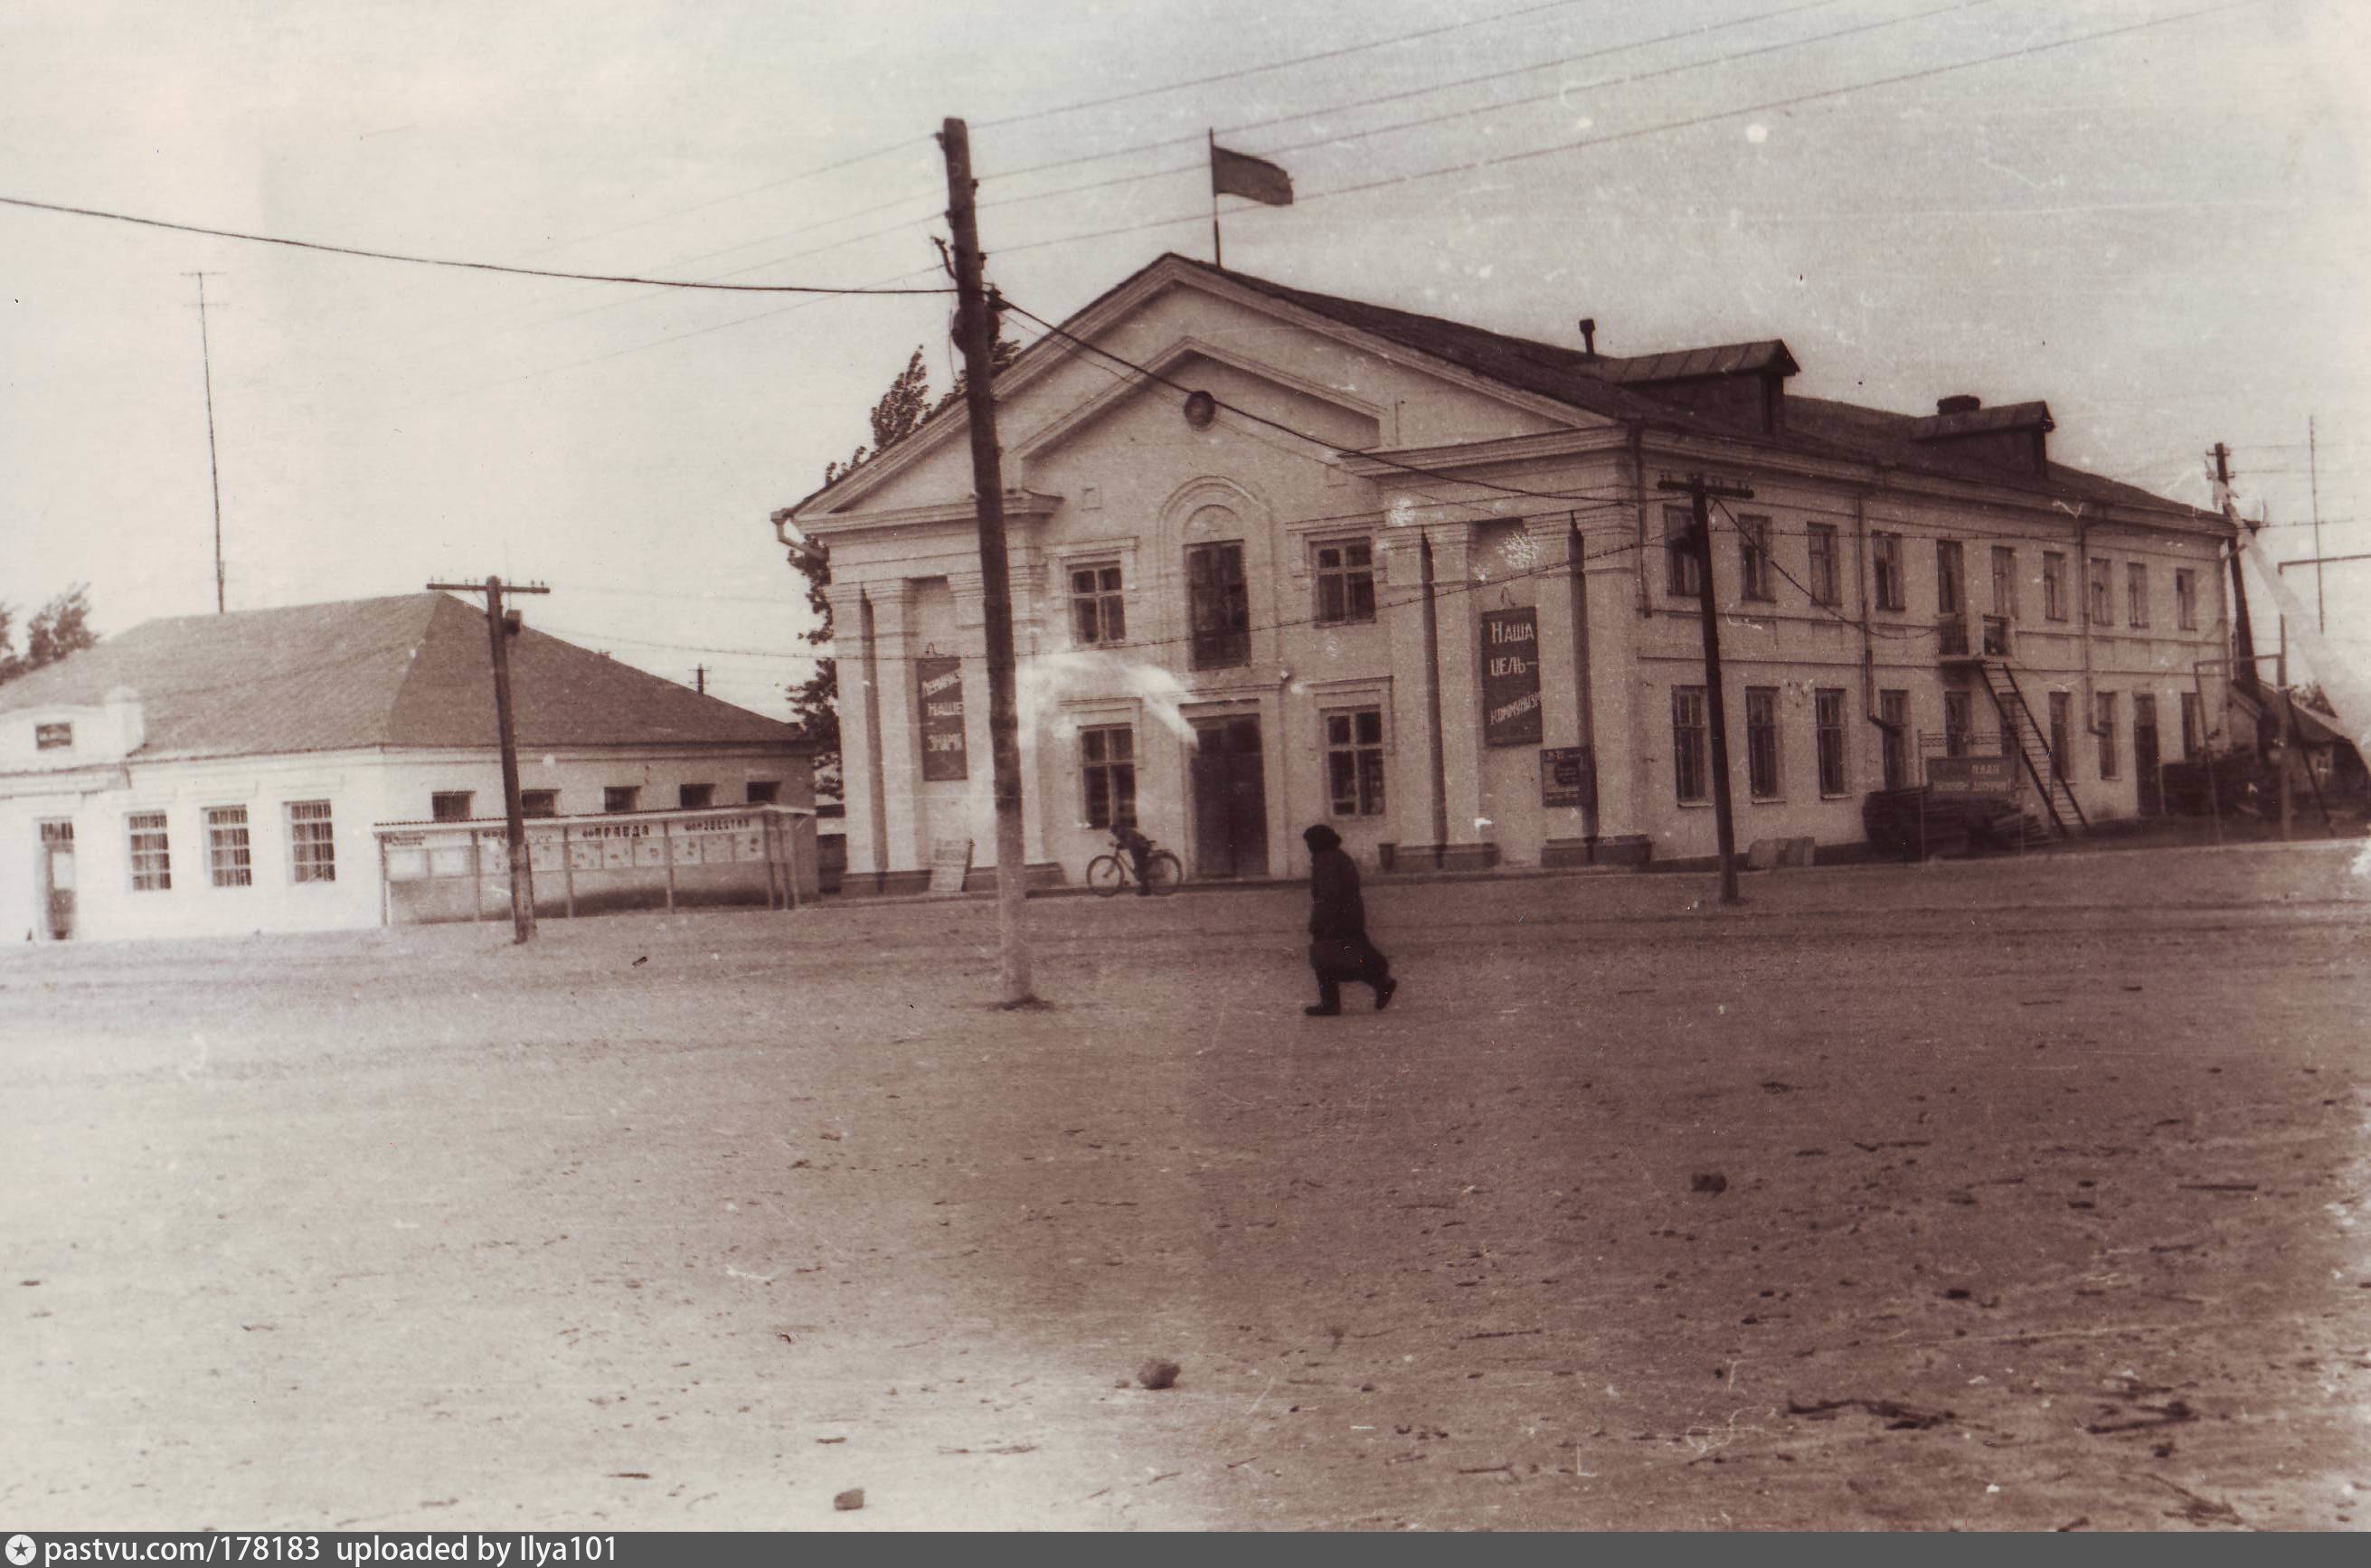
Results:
[1230, 799]
[2145, 759]
[58, 877]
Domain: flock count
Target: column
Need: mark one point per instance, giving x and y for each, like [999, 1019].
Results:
[1409, 787]
[1624, 708]
[894, 650]
[860, 778]
[1565, 707]
[1468, 846]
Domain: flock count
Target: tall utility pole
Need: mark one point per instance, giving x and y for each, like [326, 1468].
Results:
[2243, 656]
[513, 817]
[2313, 477]
[213, 466]
[1698, 492]
[976, 336]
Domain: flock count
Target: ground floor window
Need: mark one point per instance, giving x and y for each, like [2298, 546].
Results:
[2061, 719]
[1828, 719]
[1959, 722]
[1691, 771]
[1894, 710]
[2107, 728]
[1108, 774]
[152, 853]
[1354, 761]
[312, 842]
[1762, 742]
[2193, 726]
[226, 847]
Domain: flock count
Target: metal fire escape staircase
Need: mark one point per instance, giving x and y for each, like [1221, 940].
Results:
[2025, 731]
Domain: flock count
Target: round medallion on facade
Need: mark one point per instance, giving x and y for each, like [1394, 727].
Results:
[1200, 409]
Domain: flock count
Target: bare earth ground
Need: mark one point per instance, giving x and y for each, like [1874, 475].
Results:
[2042, 1198]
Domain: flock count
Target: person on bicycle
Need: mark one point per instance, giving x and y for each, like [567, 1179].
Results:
[1338, 948]
[1138, 850]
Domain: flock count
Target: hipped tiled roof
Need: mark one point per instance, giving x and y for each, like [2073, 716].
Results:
[413, 670]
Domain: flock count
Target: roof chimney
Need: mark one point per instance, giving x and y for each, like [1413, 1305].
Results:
[1589, 335]
[1964, 403]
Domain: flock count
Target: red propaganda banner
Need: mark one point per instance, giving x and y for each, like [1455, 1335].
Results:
[938, 683]
[1510, 677]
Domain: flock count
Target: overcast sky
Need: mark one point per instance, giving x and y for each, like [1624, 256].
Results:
[2163, 232]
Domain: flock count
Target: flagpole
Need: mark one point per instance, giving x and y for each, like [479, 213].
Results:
[1217, 250]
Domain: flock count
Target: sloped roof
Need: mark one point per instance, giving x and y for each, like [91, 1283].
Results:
[412, 671]
[1765, 357]
[1984, 421]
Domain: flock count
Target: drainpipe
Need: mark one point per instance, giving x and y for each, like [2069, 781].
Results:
[2083, 580]
[1860, 593]
[1576, 564]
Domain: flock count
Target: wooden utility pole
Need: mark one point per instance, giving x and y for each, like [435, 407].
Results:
[1698, 492]
[513, 816]
[2243, 656]
[976, 336]
[214, 464]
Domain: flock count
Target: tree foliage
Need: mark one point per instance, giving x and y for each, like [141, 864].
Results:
[814, 703]
[59, 628]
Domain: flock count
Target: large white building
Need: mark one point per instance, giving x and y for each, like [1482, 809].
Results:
[321, 766]
[1278, 557]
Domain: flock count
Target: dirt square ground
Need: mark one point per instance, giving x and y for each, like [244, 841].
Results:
[2011, 1194]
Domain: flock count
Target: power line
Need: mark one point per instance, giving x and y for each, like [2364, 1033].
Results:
[445, 262]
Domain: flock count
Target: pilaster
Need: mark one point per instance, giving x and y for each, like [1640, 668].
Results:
[895, 650]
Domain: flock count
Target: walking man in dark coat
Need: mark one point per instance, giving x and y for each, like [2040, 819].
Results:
[1338, 948]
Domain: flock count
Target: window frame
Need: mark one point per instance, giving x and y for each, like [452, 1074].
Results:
[2061, 712]
[1218, 647]
[772, 796]
[1099, 613]
[1753, 563]
[1821, 549]
[230, 862]
[1682, 565]
[2136, 592]
[528, 799]
[1348, 578]
[1107, 768]
[1765, 778]
[54, 735]
[1950, 578]
[611, 794]
[2053, 585]
[2103, 725]
[156, 877]
[1959, 722]
[1829, 738]
[1886, 580]
[1367, 760]
[1691, 746]
[684, 802]
[438, 811]
[2193, 726]
[2005, 590]
[312, 841]
[1893, 713]
[2100, 592]
[2185, 598]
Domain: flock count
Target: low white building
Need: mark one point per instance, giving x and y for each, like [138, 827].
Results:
[229, 773]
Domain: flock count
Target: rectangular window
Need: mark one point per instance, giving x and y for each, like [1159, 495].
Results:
[1958, 723]
[1098, 608]
[2136, 593]
[1108, 774]
[621, 797]
[2053, 585]
[1690, 743]
[1894, 710]
[53, 737]
[2005, 581]
[1346, 581]
[1824, 564]
[1680, 563]
[2107, 728]
[1885, 561]
[312, 842]
[2194, 727]
[2102, 604]
[695, 797]
[1217, 606]
[2185, 600]
[1753, 557]
[764, 791]
[1762, 742]
[1827, 717]
[226, 847]
[152, 853]
[2062, 706]
[450, 805]
[538, 802]
[1354, 761]
[1950, 578]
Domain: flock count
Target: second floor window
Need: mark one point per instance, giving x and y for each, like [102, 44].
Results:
[1346, 581]
[763, 791]
[1824, 564]
[1108, 774]
[2053, 585]
[1762, 742]
[1098, 608]
[1217, 606]
[1753, 557]
[1885, 563]
[2005, 581]
[1354, 761]
[2136, 593]
[1681, 567]
[621, 797]
[449, 805]
[538, 802]
[695, 797]
[2185, 600]
[1950, 578]
[2103, 611]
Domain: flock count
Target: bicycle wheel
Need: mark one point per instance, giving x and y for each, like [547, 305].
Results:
[1164, 872]
[1105, 875]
